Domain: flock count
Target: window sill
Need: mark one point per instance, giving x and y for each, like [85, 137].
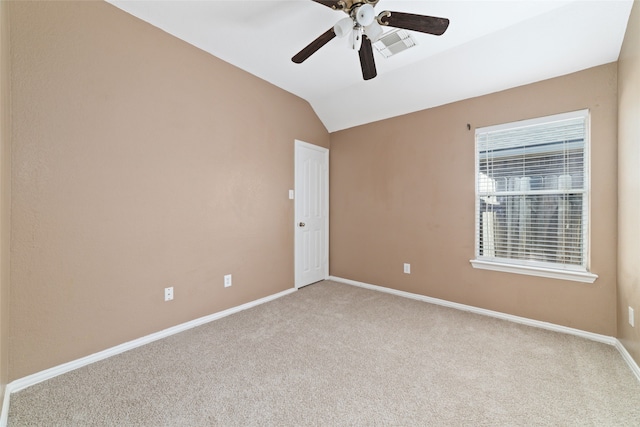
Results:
[576, 276]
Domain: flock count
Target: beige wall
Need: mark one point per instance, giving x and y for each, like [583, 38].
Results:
[5, 193]
[629, 185]
[402, 191]
[139, 162]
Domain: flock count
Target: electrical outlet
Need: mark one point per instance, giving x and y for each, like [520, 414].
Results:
[168, 293]
[632, 320]
[407, 268]
[227, 280]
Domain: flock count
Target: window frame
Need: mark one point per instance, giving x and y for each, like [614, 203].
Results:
[578, 273]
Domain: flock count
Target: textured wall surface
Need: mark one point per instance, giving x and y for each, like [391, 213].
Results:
[5, 192]
[402, 191]
[629, 185]
[139, 162]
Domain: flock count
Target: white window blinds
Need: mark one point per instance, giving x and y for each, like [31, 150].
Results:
[532, 192]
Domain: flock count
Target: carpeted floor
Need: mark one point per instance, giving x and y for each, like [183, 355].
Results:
[336, 355]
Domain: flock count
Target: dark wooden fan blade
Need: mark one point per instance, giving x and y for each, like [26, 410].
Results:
[313, 47]
[410, 21]
[366, 59]
[333, 4]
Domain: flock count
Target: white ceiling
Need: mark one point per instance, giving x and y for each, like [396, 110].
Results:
[489, 46]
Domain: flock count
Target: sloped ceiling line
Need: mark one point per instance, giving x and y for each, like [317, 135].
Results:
[489, 46]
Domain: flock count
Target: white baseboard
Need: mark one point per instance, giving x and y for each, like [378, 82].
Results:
[38, 377]
[627, 358]
[509, 317]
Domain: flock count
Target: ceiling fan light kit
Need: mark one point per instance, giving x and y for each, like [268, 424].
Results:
[356, 39]
[366, 27]
[343, 27]
[364, 15]
[374, 31]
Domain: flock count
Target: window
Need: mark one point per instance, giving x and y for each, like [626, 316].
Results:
[532, 197]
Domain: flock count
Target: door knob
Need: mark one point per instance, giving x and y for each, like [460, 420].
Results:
[302, 224]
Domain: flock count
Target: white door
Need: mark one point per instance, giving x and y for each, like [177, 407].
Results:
[311, 213]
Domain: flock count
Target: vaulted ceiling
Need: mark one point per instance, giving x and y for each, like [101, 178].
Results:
[489, 46]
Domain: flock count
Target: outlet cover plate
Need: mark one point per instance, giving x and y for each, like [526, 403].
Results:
[168, 293]
[407, 268]
[227, 280]
[632, 320]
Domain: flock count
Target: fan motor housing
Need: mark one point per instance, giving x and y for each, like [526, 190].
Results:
[348, 5]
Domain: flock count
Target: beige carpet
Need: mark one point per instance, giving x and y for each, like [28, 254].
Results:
[331, 355]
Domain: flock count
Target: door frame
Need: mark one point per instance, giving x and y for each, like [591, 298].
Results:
[325, 152]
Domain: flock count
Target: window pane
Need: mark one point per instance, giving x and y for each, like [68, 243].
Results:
[555, 171]
[546, 228]
[532, 191]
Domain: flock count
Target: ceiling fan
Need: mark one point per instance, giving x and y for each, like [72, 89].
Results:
[365, 27]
